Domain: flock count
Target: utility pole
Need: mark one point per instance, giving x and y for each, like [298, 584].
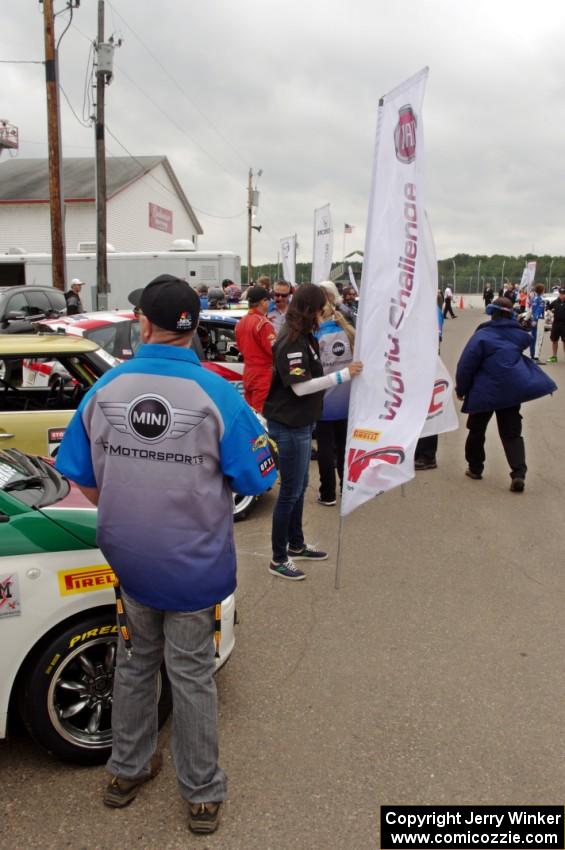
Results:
[56, 197]
[252, 201]
[249, 225]
[100, 169]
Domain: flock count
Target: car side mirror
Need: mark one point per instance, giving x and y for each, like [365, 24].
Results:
[4, 517]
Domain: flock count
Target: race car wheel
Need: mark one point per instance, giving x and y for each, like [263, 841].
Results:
[242, 506]
[66, 700]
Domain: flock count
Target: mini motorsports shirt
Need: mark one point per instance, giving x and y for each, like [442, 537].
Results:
[165, 442]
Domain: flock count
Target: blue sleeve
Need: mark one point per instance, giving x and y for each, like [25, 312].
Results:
[74, 459]
[468, 366]
[245, 455]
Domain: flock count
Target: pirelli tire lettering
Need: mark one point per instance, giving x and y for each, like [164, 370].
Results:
[67, 687]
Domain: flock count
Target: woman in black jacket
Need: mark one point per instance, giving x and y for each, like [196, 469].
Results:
[292, 407]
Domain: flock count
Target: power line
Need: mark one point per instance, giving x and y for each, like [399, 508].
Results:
[80, 121]
[168, 117]
[181, 89]
[22, 62]
[162, 185]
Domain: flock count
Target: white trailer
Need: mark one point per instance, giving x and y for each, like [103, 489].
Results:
[126, 271]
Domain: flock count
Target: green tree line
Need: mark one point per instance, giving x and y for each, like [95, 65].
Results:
[469, 272]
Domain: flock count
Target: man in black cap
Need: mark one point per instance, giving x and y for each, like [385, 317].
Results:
[255, 337]
[157, 444]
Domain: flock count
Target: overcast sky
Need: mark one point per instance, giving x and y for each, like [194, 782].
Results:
[292, 87]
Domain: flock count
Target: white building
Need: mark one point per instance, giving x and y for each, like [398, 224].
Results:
[146, 207]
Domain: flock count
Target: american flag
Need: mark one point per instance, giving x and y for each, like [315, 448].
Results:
[348, 228]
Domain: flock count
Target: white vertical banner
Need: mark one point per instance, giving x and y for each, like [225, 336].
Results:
[322, 253]
[528, 275]
[288, 257]
[442, 415]
[397, 327]
[352, 280]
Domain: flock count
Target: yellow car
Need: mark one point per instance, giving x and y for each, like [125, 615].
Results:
[33, 417]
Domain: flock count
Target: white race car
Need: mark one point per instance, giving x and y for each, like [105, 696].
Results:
[57, 614]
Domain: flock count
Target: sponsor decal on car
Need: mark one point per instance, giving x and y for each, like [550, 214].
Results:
[9, 596]
[54, 439]
[85, 579]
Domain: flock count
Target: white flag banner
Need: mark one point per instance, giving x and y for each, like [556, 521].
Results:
[288, 257]
[352, 280]
[323, 244]
[442, 415]
[397, 326]
[528, 275]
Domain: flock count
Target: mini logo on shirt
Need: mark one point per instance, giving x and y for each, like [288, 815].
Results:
[297, 372]
[338, 348]
[150, 418]
[293, 354]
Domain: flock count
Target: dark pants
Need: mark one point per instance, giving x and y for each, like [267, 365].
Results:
[294, 447]
[426, 449]
[509, 423]
[447, 308]
[331, 436]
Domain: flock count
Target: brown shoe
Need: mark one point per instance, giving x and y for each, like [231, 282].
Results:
[121, 792]
[203, 817]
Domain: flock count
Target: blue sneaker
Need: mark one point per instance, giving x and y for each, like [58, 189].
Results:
[308, 554]
[286, 570]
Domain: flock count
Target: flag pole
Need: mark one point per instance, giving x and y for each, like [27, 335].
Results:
[337, 584]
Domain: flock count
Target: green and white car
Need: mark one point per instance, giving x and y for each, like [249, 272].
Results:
[57, 614]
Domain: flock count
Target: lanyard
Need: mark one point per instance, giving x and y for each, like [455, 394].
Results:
[123, 621]
[122, 618]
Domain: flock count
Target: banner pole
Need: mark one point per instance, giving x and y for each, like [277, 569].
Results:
[337, 584]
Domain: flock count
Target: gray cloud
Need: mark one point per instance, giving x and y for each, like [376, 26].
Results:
[293, 88]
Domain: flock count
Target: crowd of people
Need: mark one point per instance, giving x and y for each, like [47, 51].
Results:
[189, 436]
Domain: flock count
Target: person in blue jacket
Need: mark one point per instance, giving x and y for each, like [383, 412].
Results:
[159, 443]
[493, 376]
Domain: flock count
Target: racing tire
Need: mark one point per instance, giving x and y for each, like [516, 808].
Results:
[242, 506]
[66, 698]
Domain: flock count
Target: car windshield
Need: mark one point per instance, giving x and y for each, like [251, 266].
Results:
[32, 480]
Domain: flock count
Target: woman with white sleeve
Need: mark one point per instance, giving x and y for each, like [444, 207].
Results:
[293, 406]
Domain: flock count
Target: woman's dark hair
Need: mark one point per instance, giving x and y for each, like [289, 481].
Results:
[301, 316]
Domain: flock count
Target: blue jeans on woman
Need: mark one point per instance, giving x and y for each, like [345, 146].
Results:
[294, 447]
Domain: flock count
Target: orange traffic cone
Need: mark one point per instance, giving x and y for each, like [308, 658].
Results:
[461, 304]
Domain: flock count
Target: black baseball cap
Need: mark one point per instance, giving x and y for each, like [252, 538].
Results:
[168, 302]
[256, 294]
[562, 290]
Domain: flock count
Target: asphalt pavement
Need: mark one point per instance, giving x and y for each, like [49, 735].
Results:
[434, 676]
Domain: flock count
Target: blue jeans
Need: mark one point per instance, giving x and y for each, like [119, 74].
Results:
[295, 447]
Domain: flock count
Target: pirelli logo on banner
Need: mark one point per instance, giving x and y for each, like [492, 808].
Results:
[85, 579]
[368, 436]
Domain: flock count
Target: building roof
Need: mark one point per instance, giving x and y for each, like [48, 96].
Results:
[27, 180]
